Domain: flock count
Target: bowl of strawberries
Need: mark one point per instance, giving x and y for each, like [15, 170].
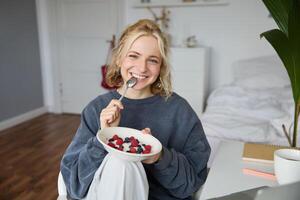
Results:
[128, 144]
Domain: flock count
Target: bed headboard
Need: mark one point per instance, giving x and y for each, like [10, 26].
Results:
[260, 73]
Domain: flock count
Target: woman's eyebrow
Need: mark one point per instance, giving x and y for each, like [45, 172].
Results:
[134, 52]
[157, 57]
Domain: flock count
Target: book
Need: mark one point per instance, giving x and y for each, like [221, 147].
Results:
[260, 152]
[258, 173]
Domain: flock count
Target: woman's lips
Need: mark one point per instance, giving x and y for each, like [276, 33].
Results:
[138, 76]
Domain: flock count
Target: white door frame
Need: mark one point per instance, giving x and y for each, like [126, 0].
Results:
[46, 19]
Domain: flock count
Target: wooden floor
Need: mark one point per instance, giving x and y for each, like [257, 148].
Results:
[30, 155]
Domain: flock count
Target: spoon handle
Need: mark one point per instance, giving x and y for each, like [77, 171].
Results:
[120, 99]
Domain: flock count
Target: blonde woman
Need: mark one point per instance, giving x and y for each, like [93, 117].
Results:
[181, 167]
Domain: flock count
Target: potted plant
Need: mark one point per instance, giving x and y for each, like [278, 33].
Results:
[286, 42]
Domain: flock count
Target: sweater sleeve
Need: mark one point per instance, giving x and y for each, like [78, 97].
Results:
[182, 173]
[83, 156]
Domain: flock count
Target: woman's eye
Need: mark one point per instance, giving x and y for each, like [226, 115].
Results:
[153, 61]
[132, 56]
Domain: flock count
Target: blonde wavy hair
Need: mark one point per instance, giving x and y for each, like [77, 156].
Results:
[145, 27]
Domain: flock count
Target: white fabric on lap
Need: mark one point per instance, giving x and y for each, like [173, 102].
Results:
[118, 179]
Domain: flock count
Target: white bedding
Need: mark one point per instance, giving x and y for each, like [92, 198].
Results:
[248, 115]
[253, 107]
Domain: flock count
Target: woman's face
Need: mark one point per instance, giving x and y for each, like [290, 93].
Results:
[143, 61]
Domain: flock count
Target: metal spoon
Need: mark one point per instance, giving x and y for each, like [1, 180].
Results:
[129, 84]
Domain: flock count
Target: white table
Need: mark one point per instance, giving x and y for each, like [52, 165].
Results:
[226, 175]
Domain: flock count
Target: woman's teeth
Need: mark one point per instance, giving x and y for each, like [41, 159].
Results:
[138, 76]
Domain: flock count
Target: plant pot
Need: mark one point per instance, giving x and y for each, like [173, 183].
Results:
[287, 165]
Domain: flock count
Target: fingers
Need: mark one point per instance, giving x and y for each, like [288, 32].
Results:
[115, 102]
[111, 113]
[152, 159]
[146, 131]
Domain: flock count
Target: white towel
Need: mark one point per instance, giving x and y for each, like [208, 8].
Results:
[118, 179]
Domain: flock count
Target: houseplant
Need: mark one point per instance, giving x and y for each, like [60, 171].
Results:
[286, 42]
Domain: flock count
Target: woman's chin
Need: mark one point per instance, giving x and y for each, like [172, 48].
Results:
[141, 87]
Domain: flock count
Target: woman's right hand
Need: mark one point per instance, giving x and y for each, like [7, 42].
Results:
[111, 115]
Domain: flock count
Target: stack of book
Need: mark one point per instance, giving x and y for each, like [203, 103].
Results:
[262, 155]
[260, 152]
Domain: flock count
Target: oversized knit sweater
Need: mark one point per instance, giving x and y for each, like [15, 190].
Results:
[181, 170]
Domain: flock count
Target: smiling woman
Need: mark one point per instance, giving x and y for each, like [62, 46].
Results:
[175, 172]
[142, 42]
[142, 62]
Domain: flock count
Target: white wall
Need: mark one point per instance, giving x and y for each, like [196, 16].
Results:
[232, 32]
[47, 24]
[48, 17]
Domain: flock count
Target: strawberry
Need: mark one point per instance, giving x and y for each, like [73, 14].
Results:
[120, 148]
[132, 150]
[119, 141]
[148, 147]
[115, 137]
[146, 151]
[112, 145]
[131, 138]
[134, 143]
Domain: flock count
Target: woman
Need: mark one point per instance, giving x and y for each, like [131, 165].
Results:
[181, 167]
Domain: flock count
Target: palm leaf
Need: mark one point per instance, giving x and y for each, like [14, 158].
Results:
[286, 43]
[280, 43]
[294, 38]
[279, 10]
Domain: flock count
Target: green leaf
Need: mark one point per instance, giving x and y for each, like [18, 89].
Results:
[279, 10]
[286, 43]
[294, 39]
[281, 44]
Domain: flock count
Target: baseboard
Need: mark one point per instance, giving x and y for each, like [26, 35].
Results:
[22, 118]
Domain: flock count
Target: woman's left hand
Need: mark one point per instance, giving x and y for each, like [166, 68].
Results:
[155, 157]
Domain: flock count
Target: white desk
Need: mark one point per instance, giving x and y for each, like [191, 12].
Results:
[226, 175]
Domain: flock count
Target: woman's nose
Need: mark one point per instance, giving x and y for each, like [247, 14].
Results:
[143, 65]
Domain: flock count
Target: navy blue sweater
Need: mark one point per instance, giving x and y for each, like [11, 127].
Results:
[182, 168]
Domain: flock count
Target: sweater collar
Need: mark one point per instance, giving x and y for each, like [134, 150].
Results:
[126, 100]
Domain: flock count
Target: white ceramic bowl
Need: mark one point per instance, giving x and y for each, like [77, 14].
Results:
[287, 165]
[105, 134]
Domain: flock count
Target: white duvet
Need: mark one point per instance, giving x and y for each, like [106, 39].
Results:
[252, 115]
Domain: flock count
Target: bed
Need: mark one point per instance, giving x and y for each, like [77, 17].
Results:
[253, 107]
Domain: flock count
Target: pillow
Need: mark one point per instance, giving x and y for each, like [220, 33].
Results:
[261, 73]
